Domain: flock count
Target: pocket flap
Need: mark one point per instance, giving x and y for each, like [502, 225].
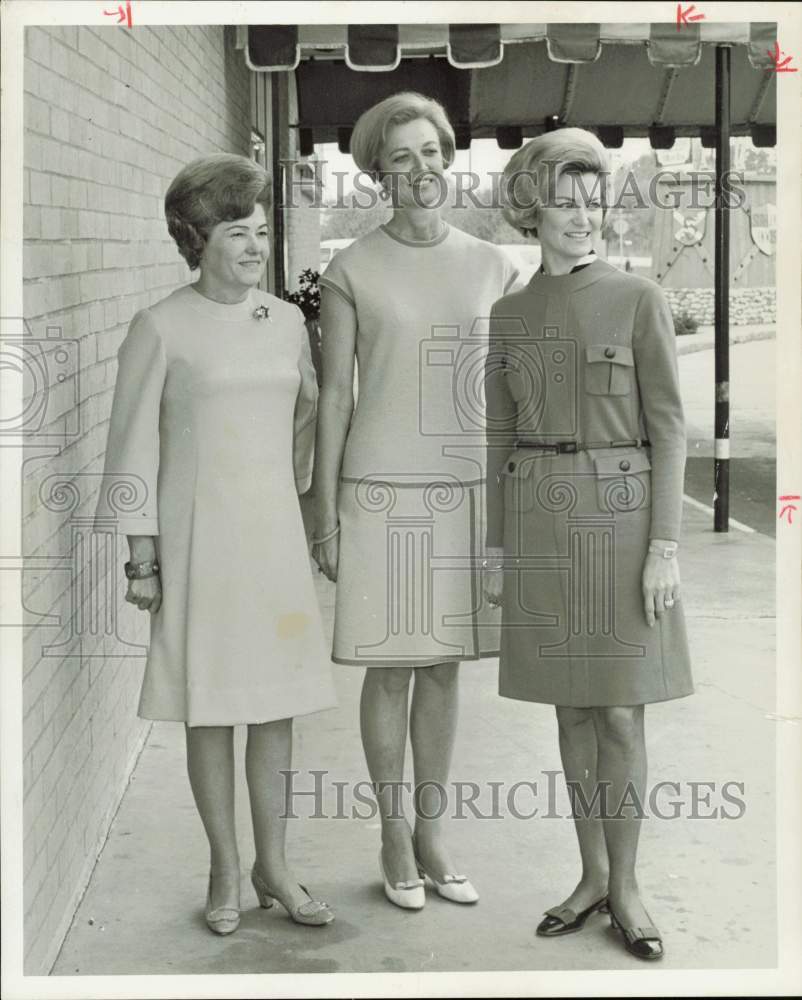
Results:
[612, 354]
[608, 464]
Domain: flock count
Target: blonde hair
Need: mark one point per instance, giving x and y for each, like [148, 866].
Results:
[533, 170]
[370, 132]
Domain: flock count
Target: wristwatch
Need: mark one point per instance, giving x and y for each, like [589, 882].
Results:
[667, 551]
[141, 570]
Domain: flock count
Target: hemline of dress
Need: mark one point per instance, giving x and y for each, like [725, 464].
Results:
[342, 661]
[598, 704]
[153, 717]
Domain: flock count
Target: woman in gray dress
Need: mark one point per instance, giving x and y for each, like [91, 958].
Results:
[584, 492]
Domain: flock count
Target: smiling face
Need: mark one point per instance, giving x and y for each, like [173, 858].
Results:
[569, 224]
[412, 153]
[236, 252]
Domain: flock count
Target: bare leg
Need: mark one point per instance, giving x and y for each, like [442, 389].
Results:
[432, 728]
[383, 719]
[268, 753]
[578, 754]
[210, 765]
[622, 765]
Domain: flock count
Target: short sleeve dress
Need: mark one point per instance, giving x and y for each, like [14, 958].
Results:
[210, 441]
[411, 489]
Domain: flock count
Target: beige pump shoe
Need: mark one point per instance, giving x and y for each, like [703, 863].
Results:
[223, 919]
[313, 913]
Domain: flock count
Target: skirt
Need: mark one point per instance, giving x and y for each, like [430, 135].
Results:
[408, 580]
[574, 631]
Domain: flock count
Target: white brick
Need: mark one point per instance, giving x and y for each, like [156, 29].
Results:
[37, 45]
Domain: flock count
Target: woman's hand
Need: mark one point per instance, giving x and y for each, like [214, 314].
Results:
[493, 576]
[146, 594]
[326, 553]
[660, 585]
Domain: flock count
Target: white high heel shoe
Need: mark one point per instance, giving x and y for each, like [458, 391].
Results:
[408, 895]
[456, 888]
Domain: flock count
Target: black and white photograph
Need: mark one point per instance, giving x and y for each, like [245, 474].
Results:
[401, 517]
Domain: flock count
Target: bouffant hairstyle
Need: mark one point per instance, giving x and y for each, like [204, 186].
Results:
[370, 132]
[213, 189]
[535, 168]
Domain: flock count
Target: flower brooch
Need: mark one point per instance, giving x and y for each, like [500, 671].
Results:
[262, 312]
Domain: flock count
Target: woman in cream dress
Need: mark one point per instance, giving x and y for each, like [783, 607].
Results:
[398, 480]
[211, 438]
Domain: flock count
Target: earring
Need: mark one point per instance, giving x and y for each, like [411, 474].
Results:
[384, 194]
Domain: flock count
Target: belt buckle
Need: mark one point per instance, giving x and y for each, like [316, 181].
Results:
[569, 447]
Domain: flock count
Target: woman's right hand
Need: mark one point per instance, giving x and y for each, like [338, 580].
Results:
[327, 556]
[493, 576]
[146, 594]
[493, 586]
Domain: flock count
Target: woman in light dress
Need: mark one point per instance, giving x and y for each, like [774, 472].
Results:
[399, 477]
[210, 442]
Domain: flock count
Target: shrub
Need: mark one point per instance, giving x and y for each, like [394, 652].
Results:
[685, 324]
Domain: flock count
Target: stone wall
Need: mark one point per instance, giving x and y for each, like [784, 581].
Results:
[747, 305]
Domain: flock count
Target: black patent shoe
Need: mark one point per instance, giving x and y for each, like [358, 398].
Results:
[642, 942]
[563, 920]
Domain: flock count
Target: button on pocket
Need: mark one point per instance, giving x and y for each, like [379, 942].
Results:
[622, 484]
[609, 370]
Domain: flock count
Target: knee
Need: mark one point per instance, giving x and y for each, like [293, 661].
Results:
[621, 726]
[573, 723]
[388, 680]
[444, 675]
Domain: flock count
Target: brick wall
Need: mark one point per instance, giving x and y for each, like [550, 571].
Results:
[111, 114]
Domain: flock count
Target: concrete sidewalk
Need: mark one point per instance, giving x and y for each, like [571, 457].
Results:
[709, 883]
[705, 337]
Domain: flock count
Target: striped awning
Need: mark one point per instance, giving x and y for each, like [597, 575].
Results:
[628, 79]
[380, 47]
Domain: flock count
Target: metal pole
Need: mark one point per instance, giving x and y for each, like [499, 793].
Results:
[721, 466]
[277, 174]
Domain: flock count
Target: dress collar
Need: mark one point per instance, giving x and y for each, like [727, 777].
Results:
[589, 258]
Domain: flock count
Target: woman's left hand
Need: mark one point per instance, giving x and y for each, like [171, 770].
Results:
[660, 585]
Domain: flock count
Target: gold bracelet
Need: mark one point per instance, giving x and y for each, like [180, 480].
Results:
[327, 538]
[491, 569]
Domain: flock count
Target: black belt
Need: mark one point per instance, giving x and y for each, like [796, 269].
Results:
[571, 447]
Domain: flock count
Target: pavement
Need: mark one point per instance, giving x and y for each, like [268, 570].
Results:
[708, 875]
[753, 403]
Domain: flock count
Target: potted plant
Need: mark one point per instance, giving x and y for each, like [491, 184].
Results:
[307, 298]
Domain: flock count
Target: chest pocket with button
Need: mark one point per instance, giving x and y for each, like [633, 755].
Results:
[519, 477]
[609, 370]
[623, 482]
